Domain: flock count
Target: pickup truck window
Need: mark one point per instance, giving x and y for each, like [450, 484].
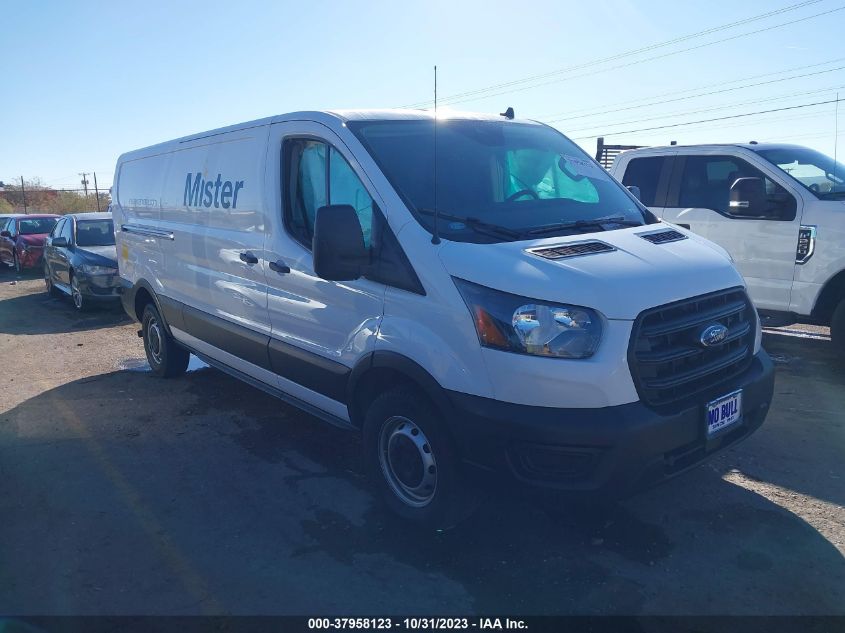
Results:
[813, 170]
[645, 174]
[706, 184]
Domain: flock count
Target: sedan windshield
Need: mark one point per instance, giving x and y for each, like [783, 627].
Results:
[497, 180]
[36, 226]
[819, 173]
[95, 233]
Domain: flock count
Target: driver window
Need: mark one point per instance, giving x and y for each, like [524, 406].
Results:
[67, 231]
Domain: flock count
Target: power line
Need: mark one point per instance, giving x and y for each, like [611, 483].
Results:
[481, 93]
[589, 111]
[700, 110]
[703, 94]
[723, 118]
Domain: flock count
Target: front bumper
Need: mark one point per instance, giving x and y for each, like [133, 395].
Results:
[100, 287]
[609, 452]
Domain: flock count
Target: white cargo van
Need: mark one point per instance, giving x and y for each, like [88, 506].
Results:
[499, 309]
[779, 210]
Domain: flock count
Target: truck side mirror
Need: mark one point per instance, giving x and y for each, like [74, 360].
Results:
[338, 244]
[635, 191]
[58, 241]
[748, 197]
[5, 234]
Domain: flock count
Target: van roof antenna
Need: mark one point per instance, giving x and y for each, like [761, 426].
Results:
[508, 114]
[435, 236]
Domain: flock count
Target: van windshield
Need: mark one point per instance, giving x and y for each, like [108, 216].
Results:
[497, 180]
[817, 172]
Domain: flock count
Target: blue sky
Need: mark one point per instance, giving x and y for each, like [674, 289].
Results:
[86, 81]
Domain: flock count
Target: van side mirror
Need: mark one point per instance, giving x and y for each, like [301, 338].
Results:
[59, 241]
[338, 243]
[748, 197]
[5, 234]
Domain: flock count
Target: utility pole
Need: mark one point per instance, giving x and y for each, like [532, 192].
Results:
[84, 182]
[23, 191]
[96, 191]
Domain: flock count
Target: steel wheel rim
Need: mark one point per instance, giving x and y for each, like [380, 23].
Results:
[154, 341]
[407, 461]
[76, 293]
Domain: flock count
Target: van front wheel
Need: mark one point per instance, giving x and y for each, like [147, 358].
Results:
[166, 358]
[413, 462]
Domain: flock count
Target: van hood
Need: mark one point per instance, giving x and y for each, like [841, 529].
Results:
[620, 284]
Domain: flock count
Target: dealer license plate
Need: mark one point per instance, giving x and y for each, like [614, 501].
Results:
[724, 412]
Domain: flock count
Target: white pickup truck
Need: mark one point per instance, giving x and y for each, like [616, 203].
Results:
[779, 211]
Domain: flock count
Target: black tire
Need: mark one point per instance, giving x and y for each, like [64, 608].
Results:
[403, 424]
[837, 328]
[166, 357]
[76, 296]
[52, 291]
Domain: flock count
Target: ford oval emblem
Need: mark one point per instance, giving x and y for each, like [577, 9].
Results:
[713, 335]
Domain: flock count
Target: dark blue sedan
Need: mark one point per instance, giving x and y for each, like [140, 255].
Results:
[80, 259]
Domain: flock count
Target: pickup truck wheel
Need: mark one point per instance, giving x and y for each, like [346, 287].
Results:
[165, 356]
[837, 328]
[412, 460]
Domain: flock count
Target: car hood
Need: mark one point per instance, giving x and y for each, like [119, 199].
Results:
[99, 255]
[620, 284]
[36, 239]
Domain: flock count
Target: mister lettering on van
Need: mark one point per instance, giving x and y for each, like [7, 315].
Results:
[199, 193]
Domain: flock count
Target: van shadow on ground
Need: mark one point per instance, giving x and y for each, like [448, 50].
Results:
[123, 493]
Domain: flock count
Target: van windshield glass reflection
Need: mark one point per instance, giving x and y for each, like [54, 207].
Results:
[497, 180]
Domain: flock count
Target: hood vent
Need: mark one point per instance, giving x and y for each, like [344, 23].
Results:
[575, 249]
[662, 237]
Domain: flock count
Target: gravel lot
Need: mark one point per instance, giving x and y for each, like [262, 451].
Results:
[124, 494]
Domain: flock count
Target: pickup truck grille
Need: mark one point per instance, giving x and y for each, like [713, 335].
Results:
[669, 362]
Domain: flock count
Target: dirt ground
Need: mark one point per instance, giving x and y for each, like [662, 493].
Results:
[124, 494]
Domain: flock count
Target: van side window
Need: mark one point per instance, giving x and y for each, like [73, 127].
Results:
[645, 174]
[706, 184]
[346, 188]
[318, 175]
[306, 184]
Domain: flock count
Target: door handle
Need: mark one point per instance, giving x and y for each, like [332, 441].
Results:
[280, 267]
[248, 258]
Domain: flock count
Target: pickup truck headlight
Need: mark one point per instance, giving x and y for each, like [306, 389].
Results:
[525, 326]
[90, 269]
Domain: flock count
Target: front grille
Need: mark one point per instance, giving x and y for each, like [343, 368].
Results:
[667, 359]
[662, 237]
[572, 250]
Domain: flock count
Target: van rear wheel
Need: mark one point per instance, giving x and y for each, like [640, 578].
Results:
[166, 357]
[413, 462]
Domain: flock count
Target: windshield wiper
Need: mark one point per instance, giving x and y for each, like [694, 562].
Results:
[479, 226]
[582, 224]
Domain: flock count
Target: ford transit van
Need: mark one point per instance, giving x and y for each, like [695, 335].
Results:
[474, 294]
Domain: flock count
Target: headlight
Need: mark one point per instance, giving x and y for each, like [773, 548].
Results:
[98, 270]
[516, 324]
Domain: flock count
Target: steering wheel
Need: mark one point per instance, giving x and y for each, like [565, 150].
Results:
[815, 188]
[522, 192]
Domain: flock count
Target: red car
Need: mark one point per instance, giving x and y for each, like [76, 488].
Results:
[22, 239]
